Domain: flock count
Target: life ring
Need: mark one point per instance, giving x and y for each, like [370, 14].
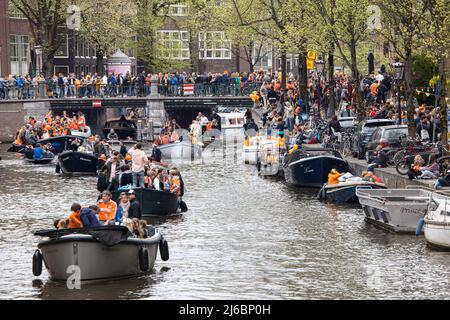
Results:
[163, 249]
[183, 206]
[37, 263]
[143, 259]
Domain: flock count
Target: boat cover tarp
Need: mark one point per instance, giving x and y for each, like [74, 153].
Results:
[107, 235]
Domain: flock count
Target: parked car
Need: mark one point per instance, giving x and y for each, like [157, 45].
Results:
[363, 134]
[387, 136]
[346, 122]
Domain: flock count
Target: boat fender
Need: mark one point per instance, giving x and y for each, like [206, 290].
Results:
[143, 259]
[183, 206]
[37, 263]
[419, 227]
[163, 249]
[58, 168]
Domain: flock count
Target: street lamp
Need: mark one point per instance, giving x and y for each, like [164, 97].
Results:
[399, 69]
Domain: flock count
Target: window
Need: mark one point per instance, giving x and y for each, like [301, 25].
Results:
[264, 53]
[13, 12]
[178, 10]
[19, 54]
[213, 45]
[173, 44]
[61, 69]
[63, 50]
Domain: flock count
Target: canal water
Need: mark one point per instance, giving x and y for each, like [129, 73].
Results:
[243, 238]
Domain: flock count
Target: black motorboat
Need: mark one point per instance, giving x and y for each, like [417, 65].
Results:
[309, 167]
[77, 163]
[154, 202]
[43, 160]
[345, 192]
[60, 144]
[124, 128]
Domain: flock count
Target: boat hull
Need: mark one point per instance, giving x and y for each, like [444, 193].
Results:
[180, 150]
[437, 234]
[397, 210]
[346, 193]
[250, 155]
[154, 202]
[39, 161]
[79, 163]
[61, 143]
[94, 259]
[313, 172]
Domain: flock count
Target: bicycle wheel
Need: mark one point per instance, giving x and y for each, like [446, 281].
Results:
[402, 167]
[390, 156]
[399, 156]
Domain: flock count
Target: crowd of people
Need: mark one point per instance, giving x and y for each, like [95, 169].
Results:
[128, 213]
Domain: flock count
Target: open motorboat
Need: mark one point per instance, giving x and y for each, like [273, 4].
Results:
[86, 133]
[397, 210]
[270, 159]
[181, 150]
[253, 146]
[309, 167]
[115, 144]
[43, 160]
[437, 222]
[345, 192]
[60, 143]
[77, 163]
[97, 253]
[154, 202]
[125, 128]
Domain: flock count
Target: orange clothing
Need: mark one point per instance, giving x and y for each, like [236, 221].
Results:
[333, 178]
[373, 88]
[74, 126]
[165, 139]
[75, 221]
[107, 210]
[175, 186]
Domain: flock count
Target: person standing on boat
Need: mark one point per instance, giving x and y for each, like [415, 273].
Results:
[135, 210]
[108, 208]
[139, 160]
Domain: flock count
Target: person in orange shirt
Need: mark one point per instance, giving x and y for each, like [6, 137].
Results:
[74, 217]
[373, 88]
[333, 177]
[108, 208]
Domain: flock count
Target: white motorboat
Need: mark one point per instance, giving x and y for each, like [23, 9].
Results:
[252, 147]
[397, 210]
[97, 253]
[232, 126]
[115, 144]
[86, 133]
[437, 222]
[181, 150]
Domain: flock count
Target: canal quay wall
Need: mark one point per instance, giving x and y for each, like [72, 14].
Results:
[391, 178]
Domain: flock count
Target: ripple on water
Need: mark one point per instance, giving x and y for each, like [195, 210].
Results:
[243, 238]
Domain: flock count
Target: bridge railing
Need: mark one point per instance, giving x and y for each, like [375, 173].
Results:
[45, 90]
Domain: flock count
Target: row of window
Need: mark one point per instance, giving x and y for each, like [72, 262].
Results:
[175, 44]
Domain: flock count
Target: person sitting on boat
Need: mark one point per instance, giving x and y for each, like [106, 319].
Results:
[370, 176]
[158, 182]
[108, 208]
[38, 152]
[333, 177]
[61, 223]
[112, 135]
[74, 218]
[135, 210]
[49, 148]
[113, 166]
[380, 160]
[74, 145]
[88, 216]
[122, 208]
[125, 176]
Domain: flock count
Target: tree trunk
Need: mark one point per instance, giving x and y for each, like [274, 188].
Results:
[360, 108]
[283, 70]
[409, 86]
[250, 57]
[442, 101]
[303, 79]
[331, 83]
[100, 67]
